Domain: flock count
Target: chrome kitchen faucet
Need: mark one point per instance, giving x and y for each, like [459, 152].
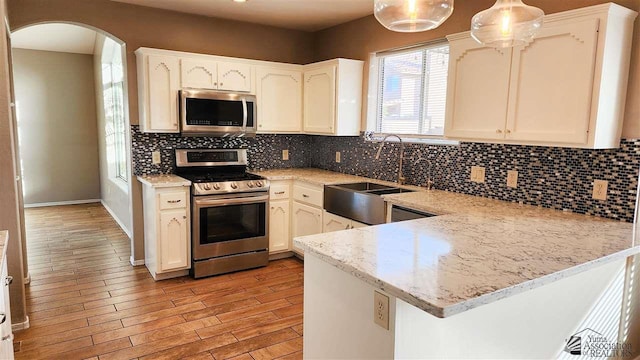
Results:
[401, 179]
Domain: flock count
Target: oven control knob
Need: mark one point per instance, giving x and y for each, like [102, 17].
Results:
[259, 183]
[234, 186]
[216, 186]
[250, 184]
[206, 186]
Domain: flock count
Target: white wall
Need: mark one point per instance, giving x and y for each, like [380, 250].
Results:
[56, 115]
[114, 192]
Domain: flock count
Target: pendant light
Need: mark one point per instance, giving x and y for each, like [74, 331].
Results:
[412, 15]
[507, 23]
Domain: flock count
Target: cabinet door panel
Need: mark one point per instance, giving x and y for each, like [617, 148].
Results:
[174, 245]
[307, 220]
[477, 90]
[331, 222]
[279, 225]
[234, 77]
[279, 94]
[163, 93]
[320, 100]
[198, 74]
[552, 84]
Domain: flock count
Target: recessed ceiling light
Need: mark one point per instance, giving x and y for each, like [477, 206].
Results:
[240, 1]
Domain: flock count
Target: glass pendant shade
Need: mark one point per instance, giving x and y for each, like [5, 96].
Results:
[412, 15]
[507, 23]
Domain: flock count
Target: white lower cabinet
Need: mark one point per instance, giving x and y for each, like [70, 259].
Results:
[173, 236]
[332, 222]
[167, 233]
[307, 220]
[279, 225]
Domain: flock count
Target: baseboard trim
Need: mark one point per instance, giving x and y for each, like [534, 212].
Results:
[27, 279]
[20, 326]
[136, 262]
[62, 203]
[113, 215]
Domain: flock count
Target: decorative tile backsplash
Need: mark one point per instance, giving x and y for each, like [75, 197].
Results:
[558, 178]
[552, 177]
[263, 151]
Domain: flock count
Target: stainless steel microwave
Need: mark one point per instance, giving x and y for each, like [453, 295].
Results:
[216, 113]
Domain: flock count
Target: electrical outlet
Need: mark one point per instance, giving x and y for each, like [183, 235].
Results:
[155, 157]
[600, 189]
[381, 310]
[477, 174]
[512, 179]
[337, 156]
[285, 154]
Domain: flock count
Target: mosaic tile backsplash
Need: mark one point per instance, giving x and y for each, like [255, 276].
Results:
[552, 177]
[263, 151]
[558, 178]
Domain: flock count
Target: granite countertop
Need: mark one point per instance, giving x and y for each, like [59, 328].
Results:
[477, 251]
[320, 177]
[166, 180]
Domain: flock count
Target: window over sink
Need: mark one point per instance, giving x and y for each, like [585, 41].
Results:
[409, 88]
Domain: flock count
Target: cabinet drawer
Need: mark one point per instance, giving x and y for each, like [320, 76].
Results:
[173, 200]
[280, 191]
[311, 196]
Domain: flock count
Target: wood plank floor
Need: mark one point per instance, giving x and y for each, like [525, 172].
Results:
[86, 301]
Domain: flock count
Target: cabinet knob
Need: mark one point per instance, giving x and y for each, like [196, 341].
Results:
[215, 84]
[3, 317]
[184, 216]
[7, 337]
[8, 280]
[508, 131]
[348, 226]
[221, 84]
[498, 131]
[305, 195]
[260, 125]
[272, 208]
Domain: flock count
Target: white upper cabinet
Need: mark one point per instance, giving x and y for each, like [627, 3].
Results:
[203, 74]
[565, 53]
[320, 100]
[279, 96]
[333, 97]
[199, 74]
[566, 88]
[477, 90]
[234, 76]
[323, 98]
[158, 85]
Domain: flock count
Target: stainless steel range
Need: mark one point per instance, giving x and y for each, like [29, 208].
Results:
[229, 211]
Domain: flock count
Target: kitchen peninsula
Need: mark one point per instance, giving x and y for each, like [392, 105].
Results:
[485, 278]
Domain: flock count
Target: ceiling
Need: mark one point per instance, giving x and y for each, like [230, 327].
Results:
[55, 37]
[307, 15]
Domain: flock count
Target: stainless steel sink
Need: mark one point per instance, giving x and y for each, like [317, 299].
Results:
[365, 186]
[359, 201]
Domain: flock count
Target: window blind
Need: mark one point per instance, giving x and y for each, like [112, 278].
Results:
[412, 90]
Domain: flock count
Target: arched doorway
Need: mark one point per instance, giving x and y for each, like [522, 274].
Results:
[113, 159]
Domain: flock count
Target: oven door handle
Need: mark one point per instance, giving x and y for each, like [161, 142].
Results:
[223, 202]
